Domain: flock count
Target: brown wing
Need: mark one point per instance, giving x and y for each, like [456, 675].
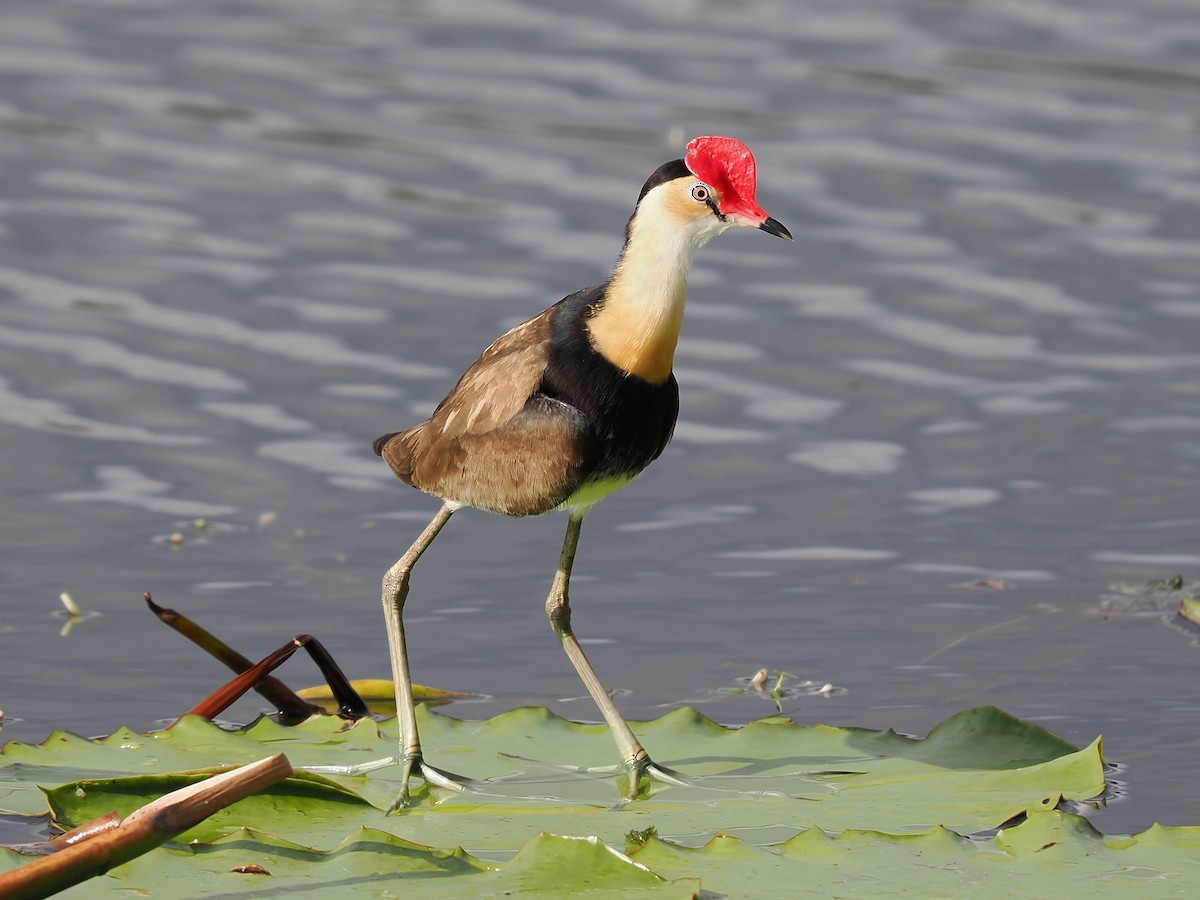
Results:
[494, 443]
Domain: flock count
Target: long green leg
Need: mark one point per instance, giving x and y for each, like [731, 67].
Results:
[636, 761]
[395, 592]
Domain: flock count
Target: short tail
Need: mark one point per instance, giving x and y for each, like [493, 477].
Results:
[381, 442]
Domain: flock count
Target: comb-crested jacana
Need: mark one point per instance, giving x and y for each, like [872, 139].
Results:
[564, 409]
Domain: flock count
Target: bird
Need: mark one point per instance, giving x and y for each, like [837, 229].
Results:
[566, 408]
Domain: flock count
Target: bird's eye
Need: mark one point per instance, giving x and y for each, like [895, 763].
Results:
[700, 193]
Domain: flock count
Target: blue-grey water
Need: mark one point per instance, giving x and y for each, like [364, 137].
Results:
[918, 448]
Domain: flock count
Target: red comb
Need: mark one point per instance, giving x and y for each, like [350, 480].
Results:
[727, 165]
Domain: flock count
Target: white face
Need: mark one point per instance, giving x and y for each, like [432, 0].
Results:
[696, 208]
[688, 207]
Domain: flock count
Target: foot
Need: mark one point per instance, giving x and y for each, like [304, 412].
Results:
[636, 776]
[639, 775]
[417, 764]
[432, 776]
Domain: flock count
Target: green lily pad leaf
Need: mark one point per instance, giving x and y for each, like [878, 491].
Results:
[296, 798]
[561, 865]
[765, 782]
[372, 863]
[1050, 854]
[841, 811]
[1189, 609]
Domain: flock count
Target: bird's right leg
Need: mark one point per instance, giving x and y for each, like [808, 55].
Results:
[395, 592]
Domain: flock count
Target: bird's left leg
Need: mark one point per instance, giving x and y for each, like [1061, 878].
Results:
[636, 761]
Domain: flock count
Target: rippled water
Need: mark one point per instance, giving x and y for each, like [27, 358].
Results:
[239, 240]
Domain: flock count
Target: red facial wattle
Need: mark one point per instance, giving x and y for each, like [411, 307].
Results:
[727, 165]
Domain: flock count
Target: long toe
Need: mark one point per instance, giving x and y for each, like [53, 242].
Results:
[641, 776]
[432, 776]
[448, 780]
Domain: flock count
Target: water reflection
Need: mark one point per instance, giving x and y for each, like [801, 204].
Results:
[127, 486]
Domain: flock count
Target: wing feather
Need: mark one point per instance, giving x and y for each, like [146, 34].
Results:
[494, 442]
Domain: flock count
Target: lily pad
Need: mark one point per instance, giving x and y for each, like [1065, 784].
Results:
[1052, 854]
[842, 811]
[765, 782]
[372, 863]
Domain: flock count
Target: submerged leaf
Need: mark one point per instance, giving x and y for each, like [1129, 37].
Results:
[380, 695]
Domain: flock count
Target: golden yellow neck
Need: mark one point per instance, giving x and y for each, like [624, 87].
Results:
[637, 326]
